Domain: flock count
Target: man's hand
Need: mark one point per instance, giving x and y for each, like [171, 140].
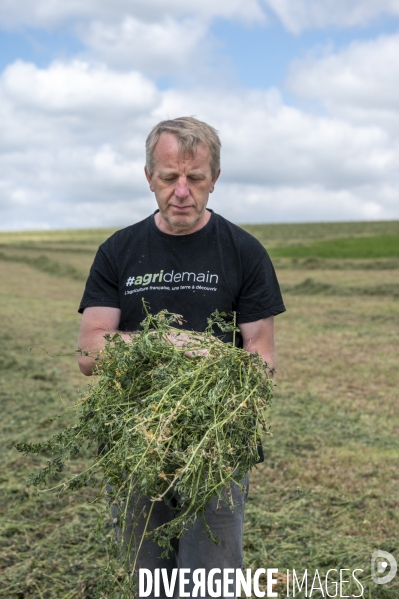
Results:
[180, 340]
[98, 321]
[258, 337]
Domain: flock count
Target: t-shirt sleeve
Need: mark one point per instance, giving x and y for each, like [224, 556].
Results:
[102, 287]
[260, 295]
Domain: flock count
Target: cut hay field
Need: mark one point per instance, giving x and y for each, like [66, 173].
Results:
[327, 495]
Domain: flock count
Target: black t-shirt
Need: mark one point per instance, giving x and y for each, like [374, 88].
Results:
[221, 267]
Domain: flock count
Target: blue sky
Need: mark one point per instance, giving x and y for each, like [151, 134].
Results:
[260, 54]
[39, 46]
[303, 92]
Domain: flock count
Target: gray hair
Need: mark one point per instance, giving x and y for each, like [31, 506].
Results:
[190, 133]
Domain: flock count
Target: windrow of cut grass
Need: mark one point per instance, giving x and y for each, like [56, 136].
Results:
[44, 264]
[310, 286]
[336, 264]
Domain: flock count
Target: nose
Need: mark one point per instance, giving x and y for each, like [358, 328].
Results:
[181, 189]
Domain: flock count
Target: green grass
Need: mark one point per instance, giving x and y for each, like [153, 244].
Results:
[68, 237]
[44, 264]
[310, 286]
[298, 233]
[370, 247]
[280, 234]
[327, 494]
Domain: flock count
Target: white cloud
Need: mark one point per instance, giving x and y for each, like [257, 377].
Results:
[359, 82]
[72, 136]
[158, 47]
[53, 13]
[267, 142]
[308, 203]
[115, 169]
[77, 87]
[72, 145]
[297, 15]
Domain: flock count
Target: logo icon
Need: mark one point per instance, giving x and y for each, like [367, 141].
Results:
[380, 560]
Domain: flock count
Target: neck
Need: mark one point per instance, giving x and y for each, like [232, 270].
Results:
[171, 229]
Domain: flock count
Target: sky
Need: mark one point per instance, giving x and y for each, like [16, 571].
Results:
[304, 94]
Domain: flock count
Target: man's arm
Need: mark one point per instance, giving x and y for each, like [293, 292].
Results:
[97, 321]
[258, 337]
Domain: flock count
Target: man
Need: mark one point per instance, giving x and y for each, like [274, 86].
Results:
[191, 261]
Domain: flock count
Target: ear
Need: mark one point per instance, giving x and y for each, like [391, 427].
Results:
[215, 178]
[149, 178]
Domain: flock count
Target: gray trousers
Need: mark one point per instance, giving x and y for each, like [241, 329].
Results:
[194, 549]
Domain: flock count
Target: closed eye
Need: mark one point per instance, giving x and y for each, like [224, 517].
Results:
[195, 178]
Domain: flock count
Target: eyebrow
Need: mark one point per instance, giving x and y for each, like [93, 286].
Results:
[196, 172]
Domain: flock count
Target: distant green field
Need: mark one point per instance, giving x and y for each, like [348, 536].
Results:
[294, 234]
[376, 246]
[271, 235]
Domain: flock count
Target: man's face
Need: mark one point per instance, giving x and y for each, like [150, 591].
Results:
[182, 184]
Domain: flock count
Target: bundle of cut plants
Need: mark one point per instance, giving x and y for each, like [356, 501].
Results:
[166, 422]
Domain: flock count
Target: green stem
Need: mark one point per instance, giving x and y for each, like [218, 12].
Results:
[142, 537]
